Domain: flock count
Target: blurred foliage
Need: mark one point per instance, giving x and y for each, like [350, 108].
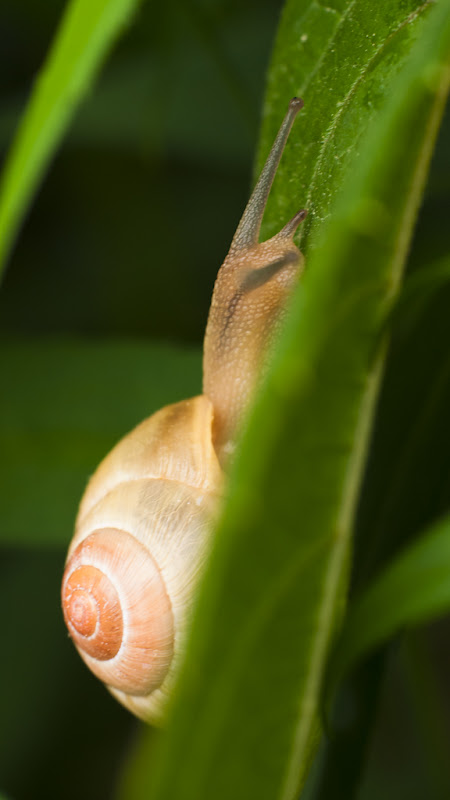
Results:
[173, 121]
[413, 588]
[155, 171]
[166, 136]
[86, 394]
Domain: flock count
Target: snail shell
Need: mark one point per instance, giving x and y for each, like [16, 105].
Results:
[144, 525]
[142, 535]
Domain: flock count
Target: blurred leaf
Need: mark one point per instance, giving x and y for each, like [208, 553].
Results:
[62, 406]
[414, 588]
[87, 31]
[132, 782]
[244, 718]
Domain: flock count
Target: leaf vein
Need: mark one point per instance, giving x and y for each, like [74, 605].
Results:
[344, 103]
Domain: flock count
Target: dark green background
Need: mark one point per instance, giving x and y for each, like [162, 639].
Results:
[124, 240]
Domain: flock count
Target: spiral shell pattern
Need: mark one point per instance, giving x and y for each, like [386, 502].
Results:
[141, 539]
[117, 611]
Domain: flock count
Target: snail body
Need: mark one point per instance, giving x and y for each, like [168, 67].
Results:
[144, 524]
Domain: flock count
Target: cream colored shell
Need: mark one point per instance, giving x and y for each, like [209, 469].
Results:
[165, 490]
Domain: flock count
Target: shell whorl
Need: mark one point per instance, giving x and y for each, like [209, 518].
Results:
[117, 611]
[142, 536]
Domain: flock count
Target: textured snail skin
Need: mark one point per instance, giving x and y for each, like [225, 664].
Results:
[249, 303]
[143, 530]
[257, 299]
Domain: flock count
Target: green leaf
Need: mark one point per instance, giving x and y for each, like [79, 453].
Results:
[244, 719]
[133, 780]
[413, 589]
[87, 31]
[340, 57]
[62, 407]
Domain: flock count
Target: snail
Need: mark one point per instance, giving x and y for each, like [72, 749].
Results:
[144, 524]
